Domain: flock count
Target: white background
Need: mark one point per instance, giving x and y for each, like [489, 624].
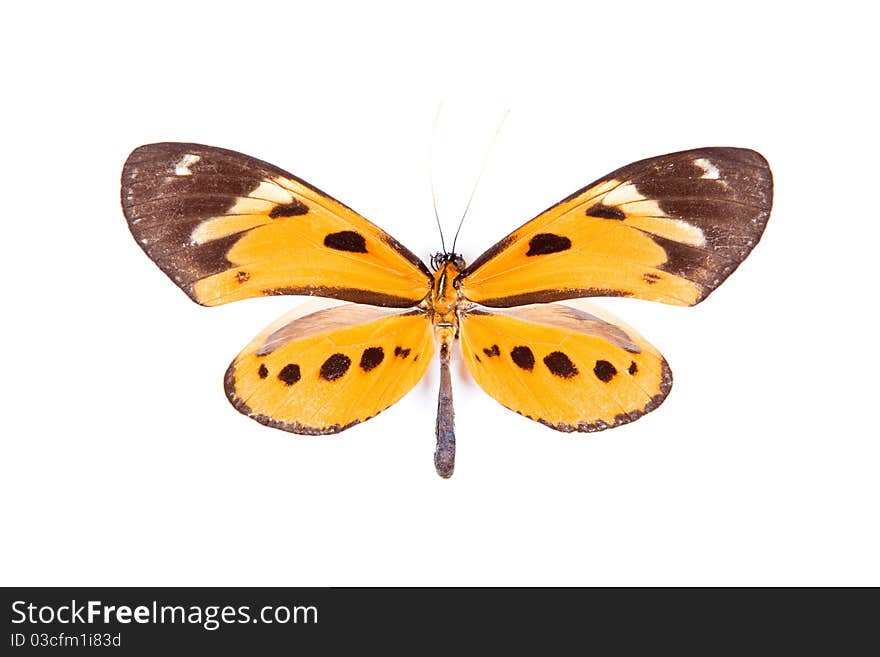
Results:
[124, 464]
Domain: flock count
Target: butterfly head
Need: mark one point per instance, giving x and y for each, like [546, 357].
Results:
[441, 258]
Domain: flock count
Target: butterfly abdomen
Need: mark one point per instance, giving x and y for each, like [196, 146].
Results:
[444, 454]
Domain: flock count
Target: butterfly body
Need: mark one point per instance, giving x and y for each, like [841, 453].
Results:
[225, 227]
[445, 307]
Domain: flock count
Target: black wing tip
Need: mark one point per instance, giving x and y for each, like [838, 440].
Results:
[761, 222]
[164, 149]
[164, 266]
[746, 156]
[740, 158]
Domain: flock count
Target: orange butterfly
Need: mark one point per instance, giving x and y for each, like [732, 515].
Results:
[225, 226]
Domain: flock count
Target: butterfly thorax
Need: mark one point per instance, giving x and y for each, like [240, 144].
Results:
[445, 301]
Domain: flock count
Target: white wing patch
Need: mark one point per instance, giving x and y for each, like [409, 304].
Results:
[710, 171]
[247, 212]
[182, 167]
[625, 193]
[647, 215]
[689, 234]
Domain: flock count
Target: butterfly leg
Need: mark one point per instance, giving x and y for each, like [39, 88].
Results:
[444, 454]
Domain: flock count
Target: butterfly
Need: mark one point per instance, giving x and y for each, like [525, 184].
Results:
[225, 226]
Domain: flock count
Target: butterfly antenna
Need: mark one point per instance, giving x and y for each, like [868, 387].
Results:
[431, 174]
[479, 176]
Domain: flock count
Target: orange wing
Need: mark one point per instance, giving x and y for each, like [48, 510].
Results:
[565, 368]
[225, 226]
[331, 369]
[670, 228]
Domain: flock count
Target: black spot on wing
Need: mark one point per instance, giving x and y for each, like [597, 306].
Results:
[560, 365]
[263, 372]
[544, 243]
[335, 367]
[604, 371]
[650, 278]
[523, 357]
[605, 212]
[291, 209]
[492, 351]
[633, 368]
[371, 358]
[400, 352]
[346, 240]
[289, 374]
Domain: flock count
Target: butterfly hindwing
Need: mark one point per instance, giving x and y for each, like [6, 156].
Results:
[563, 367]
[225, 226]
[331, 369]
[669, 228]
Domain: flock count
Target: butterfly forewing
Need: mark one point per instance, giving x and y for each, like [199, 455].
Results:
[669, 228]
[331, 369]
[225, 226]
[563, 367]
